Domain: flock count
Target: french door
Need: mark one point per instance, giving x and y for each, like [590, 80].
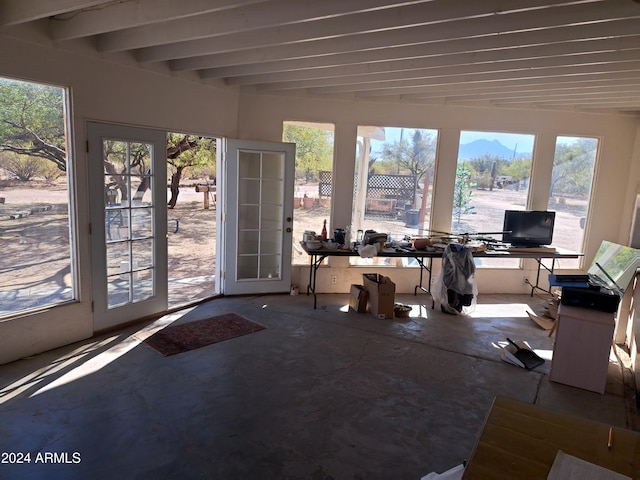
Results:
[128, 180]
[258, 216]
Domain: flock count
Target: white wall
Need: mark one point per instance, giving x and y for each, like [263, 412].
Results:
[616, 178]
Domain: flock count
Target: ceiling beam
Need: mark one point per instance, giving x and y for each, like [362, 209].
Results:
[422, 85]
[531, 91]
[501, 60]
[565, 40]
[280, 14]
[345, 34]
[416, 92]
[14, 12]
[125, 15]
[541, 68]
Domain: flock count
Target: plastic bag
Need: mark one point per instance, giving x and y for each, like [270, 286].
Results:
[454, 288]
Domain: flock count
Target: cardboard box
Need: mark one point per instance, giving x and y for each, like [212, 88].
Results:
[358, 298]
[381, 292]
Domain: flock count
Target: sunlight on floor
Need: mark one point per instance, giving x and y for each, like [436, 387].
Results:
[501, 310]
[482, 310]
[85, 366]
[30, 381]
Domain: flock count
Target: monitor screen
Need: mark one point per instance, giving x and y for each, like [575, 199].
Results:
[529, 228]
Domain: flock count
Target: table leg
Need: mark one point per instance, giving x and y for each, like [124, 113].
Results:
[423, 266]
[550, 270]
[316, 260]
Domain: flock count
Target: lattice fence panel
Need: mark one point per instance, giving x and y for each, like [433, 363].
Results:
[380, 186]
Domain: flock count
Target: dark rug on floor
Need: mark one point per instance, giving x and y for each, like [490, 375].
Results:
[188, 336]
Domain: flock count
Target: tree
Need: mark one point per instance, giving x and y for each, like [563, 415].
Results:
[32, 121]
[486, 168]
[462, 193]
[518, 169]
[314, 150]
[22, 169]
[416, 156]
[573, 167]
[185, 151]
[123, 160]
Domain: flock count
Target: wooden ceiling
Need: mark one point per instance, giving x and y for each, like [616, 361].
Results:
[580, 55]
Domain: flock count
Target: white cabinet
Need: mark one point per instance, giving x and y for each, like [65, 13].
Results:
[583, 344]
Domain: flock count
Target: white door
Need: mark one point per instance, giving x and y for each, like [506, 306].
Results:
[258, 216]
[128, 181]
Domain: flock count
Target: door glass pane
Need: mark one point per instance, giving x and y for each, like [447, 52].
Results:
[260, 215]
[248, 216]
[248, 242]
[249, 164]
[129, 229]
[249, 191]
[270, 242]
[143, 285]
[247, 267]
[117, 255]
[273, 167]
[313, 180]
[271, 216]
[142, 253]
[37, 265]
[571, 178]
[270, 267]
[492, 176]
[272, 192]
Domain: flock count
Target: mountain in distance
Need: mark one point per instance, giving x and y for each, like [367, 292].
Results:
[481, 147]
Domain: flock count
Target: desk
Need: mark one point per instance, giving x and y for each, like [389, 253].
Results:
[424, 259]
[519, 440]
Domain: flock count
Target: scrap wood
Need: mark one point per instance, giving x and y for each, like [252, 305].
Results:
[542, 322]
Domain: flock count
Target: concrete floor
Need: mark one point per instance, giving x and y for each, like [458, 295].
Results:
[319, 394]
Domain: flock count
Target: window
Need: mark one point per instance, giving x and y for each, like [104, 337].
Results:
[492, 176]
[393, 187]
[313, 182]
[571, 178]
[37, 268]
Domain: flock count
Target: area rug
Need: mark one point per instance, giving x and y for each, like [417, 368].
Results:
[192, 335]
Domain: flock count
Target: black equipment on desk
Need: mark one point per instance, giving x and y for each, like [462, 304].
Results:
[601, 299]
[604, 284]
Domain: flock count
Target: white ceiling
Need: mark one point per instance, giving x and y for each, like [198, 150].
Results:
[582, 54]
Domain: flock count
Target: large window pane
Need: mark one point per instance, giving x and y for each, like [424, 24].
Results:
[492, 176]
[36, 269]
[393, 187]
[314, 169]
[571, 179]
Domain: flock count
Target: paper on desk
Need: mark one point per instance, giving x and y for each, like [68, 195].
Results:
[568, 467]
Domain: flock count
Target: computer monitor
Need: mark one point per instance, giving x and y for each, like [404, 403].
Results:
[528, 228]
